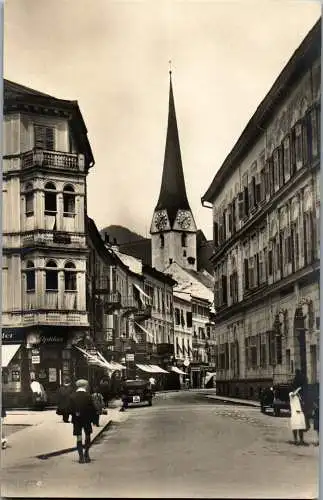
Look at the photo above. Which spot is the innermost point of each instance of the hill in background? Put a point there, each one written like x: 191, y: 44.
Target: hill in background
x: 121, y: 234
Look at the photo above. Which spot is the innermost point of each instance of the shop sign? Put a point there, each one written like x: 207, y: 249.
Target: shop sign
x: 52, y: 339
x: 130, y: 357
x: 35, y: 352
x: 13, y: 335
x: 35, y: 360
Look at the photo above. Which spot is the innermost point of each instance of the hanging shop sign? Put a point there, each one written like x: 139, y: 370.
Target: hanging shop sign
x: 130, y: 357
x: 35, y: 360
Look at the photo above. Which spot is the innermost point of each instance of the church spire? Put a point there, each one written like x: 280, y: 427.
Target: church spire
x: 172, y: 196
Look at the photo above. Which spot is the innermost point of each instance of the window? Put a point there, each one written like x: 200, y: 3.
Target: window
x: 184, y: 239
x: 51, y: 276
x: 270, y: 263
x: 50, y: 199
x: 246, y: 274
x: 162, y: 243
x: 216, y: 233
x: 276, y: 168
x: 308, y: 228
x: 305, y: 143
x: 263, y: 351
x: 44, y: 137
x: 189, y: 319
x: 68, y: 201
x: 29, y: 200
x: 298, y: 146
x: 251, y: 267
x: 279, y: 350
x: 30, y: 276
x: 70, y: 277
x: 177, y: 316
x: 314, y: 134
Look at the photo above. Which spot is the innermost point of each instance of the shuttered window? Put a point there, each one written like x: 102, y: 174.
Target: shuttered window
x: 216, y: 234
x: 241, y: 205
x: 44, y: 137
x: 286, y: 158
x: 246, y: 274
x: 305, y: 137
x: 314, y: 144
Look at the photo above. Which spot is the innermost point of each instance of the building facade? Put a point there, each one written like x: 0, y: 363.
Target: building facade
x: 265, y: 202
x: 46, y: 158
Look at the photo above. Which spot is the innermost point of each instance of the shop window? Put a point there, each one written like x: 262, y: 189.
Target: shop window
x: 68, y: 201
x: 15, y: 376
x: 44, y: 137
x: 70, y: 277
x: 51, y: 276
x: 50, y: 199
x: 29, y: 200
x: 30, y: 277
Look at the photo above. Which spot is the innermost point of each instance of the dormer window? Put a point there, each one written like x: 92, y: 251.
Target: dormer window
x: 44, y: 137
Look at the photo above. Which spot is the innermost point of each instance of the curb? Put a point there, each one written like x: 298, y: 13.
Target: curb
x: 239, y: 403
x: 105, y: 427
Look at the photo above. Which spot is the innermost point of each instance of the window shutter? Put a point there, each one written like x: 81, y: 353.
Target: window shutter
x: 233, y: 217
x: 287, y: 158
x: 241, y: 205
x: 224, y: 289
x: 230, y: 218
x: 257, y: 270
x: 246, y: 201
x: 246, y: 274
x: 270, y: 262
x: 281, y: 165
x: 314, y: 134
x: 262, y: 188
x: 216, y: 234
x: 251, y: 196
x: 305, y: 141
x: 216, y: 293
x: 231, y: 286
x: 50, y: 138
x: 276, y: 168
x: 224, y: 226
x: 271, y: 187
x: 305, y: 242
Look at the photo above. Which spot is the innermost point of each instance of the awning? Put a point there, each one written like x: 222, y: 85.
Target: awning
x: 177, y: 370
x: 142, y: 294
x: 117, y: 366
x: 7, y: 353
x: 208, y: 376
x: 158, y: 369
x: 97, y: 360
x: 146, y: 368
x: 145, y: 331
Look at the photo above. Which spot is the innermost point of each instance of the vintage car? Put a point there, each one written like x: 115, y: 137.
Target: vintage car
x: 275, y: 398
x: 136, y: 391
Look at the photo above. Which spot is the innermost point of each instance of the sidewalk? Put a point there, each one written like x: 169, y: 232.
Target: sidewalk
x: 242, y: 402
x: 45, y: 434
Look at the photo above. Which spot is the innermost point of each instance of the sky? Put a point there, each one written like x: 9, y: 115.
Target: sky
x: 113, y: 57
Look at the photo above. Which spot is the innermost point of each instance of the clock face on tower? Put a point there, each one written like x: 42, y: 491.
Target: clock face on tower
x: 161, y: 220
x: 184, y: 219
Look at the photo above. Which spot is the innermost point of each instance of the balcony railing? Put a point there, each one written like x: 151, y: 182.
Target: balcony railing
x: 142, y: 313
x: 55, y: 159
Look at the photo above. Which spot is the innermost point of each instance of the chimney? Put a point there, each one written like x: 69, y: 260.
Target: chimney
x: 106, y: 238
x: 115, y: 245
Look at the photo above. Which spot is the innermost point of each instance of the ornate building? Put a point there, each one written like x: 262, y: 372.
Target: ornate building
x: 265, y: 201
x: 46, y: 159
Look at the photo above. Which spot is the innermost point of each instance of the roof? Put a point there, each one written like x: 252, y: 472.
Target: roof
x: 19, y: 97
x: 303, y: 57
x: 135, y: 265
x: 166, y: 278
x: 196, y: 284
x: 172, y: 196
x: 140, y: 249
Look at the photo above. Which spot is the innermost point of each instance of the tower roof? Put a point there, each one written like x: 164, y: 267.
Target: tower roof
x: 172, y: 194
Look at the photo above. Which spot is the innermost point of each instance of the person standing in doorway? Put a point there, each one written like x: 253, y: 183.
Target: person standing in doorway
x: 83, y: 416
x: 64, y: 399
x: 297, y: 419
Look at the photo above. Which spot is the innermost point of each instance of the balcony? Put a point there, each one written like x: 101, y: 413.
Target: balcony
x: 48, y: 237
x: 52, y: 159
x: 142, y: 313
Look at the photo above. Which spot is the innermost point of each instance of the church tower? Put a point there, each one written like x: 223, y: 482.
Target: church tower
x: 173, y: 229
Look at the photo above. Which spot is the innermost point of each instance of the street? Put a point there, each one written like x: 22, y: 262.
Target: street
x: 185, y: 445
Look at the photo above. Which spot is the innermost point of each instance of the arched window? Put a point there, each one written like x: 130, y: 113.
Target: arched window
x: 29, y: 200
x: 70, y: 276
x: 30, y: 276
x: 184, y: 239
x: 51, y: 276
x: 69, y: 201
x: 50, y: 199
x: 162, y: 241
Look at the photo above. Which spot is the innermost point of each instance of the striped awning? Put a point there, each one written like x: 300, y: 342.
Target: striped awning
x: 7, y: 353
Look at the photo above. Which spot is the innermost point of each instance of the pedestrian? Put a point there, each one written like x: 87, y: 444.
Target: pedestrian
x: 297, y: 420
x: 83, y: 416
x: 316, y: 418
x: 4, y: 441
x: 99, y: 405
x: 105, y: 389
x: 64, y: 399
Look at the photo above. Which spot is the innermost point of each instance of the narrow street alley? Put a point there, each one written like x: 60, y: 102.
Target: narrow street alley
x: 185, y: 445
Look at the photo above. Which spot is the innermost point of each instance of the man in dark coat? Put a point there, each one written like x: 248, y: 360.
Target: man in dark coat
x: 64, y: 399
x: 83, y: 416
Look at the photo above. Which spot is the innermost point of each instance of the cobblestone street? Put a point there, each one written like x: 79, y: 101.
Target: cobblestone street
x: 184, y: 445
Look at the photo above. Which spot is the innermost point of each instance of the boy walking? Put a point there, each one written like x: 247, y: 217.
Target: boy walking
x: 83, y: 415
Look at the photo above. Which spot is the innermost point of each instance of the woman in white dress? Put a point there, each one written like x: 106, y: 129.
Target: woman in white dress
x: 297, y: 420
